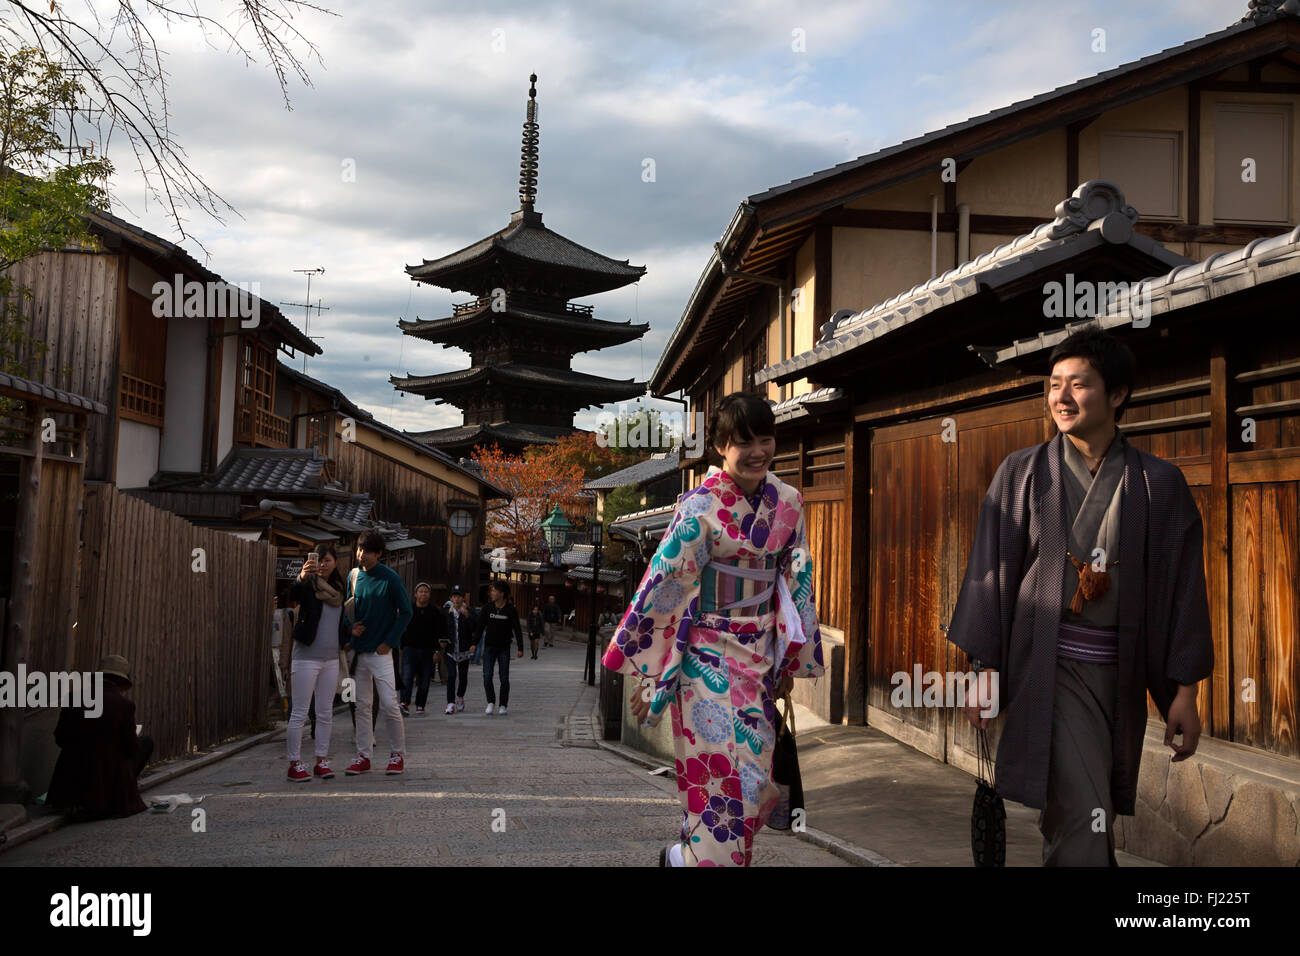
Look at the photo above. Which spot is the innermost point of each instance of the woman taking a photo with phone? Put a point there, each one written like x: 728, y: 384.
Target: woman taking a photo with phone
x: 721, y: 624
x: 317, y: 638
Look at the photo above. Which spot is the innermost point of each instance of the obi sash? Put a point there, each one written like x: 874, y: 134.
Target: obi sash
x: 775, y: 583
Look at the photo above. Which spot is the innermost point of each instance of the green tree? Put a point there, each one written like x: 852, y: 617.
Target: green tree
x: 623, y: 500
x: 41, y: 198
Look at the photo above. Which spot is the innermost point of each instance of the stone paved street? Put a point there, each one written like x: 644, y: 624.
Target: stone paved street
x: 563, y: 804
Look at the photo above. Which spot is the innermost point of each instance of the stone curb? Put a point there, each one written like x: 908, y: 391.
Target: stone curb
x: 48, y: 824
x: 859, y: 856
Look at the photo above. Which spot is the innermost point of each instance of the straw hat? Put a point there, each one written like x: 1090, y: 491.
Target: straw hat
x: 116, y: 665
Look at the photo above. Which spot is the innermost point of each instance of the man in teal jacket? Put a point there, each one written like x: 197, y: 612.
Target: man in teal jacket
x: 381, y: 611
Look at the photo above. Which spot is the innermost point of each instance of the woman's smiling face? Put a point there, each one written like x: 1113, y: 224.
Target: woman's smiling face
x: 748, y: 461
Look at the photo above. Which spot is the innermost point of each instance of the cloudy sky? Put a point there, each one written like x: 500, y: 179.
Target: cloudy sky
x: 427, y: 101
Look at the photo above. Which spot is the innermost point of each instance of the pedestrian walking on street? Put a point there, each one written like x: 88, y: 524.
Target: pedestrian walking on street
x: 419, y: 644
x: 733, y: 569
x: 1085, y: 591
x: 380, y: 612
x: 500, y: 621
x: 459, y: 636
x: 536, y: 625
x: 314, y: 669
x: 551, y: 616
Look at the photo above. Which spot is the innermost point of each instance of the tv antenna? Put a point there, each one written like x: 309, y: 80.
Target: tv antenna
x: 307, y: 307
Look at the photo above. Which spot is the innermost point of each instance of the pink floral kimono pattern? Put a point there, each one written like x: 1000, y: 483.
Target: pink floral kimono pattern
x: 714, y: 669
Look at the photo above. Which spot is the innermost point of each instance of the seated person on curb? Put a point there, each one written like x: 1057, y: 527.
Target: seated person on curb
x: 101, y: 757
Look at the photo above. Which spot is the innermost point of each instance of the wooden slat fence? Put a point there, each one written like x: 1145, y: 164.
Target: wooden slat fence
x: 198, y: 642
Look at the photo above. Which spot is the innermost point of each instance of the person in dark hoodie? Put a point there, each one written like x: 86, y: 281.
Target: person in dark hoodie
x: 100, y: 757
x: 458, y: 637
x: 500, y: 620
x: 419, y: 644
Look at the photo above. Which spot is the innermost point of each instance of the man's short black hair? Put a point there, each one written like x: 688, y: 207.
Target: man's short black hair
x: 1113, y: 360
x: 501, y: 587
x: 740, y: 416
x: 371, y: 541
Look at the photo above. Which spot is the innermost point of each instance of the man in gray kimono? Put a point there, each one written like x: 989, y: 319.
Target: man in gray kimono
x: 1085, y: 589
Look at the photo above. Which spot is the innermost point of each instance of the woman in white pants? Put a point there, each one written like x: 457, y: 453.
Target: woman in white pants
x: 315, y: 668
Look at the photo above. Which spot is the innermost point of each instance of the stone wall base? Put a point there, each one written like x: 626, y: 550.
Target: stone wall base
x: 1228, y: 805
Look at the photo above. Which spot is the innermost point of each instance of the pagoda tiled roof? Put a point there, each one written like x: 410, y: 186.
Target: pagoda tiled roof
x: 580, y: 330
x: 503, y: 433
x: 594, y: 387
x: 526, y: 242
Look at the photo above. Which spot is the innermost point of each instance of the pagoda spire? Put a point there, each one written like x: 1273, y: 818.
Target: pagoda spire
x: 529, y: 153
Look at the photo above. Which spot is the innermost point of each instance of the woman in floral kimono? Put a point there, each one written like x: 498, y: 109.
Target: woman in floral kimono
x: 721, y: 623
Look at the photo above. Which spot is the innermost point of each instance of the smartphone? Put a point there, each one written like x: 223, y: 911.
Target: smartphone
x: 313, y: 557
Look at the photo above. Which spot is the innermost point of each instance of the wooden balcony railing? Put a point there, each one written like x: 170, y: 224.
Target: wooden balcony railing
x: 140, y: 400
x: 257, y: 426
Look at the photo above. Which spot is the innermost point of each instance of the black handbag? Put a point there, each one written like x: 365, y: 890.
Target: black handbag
x: 785, y: 770
x: 988, y: 817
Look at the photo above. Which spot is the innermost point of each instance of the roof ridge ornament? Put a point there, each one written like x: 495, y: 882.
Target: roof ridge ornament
x: 529, y: 153
x: 1262, y: 11
x: 1096, y: 199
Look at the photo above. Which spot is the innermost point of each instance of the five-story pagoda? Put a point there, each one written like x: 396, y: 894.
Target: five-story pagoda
x: 520, y: 329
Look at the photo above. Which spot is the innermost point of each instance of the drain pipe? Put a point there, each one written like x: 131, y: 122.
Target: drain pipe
x: 934, y: 235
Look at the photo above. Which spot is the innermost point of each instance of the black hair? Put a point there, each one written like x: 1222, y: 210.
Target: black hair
x: 335, y: 580
x: 1113, y: 360
x: 741, y: 415
x: 501, y: 586
x: 372, y: 541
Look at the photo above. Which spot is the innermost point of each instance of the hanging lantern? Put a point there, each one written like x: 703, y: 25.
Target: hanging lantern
x: 600, y: 589
x: 568, y: 584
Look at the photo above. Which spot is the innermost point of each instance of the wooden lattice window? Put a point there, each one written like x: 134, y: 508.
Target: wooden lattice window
x: 256, y: 423
x: 140, y: 400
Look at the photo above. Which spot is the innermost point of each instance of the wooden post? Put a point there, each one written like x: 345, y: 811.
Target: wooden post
x: 13, y: 789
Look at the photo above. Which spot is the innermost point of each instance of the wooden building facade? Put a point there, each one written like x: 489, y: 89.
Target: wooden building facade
x: 874, y: 303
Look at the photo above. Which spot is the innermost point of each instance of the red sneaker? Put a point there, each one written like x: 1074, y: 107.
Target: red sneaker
x: 322, y: 770
x: 360, y: 765
x: 298, y: 772
x: 395, y: 763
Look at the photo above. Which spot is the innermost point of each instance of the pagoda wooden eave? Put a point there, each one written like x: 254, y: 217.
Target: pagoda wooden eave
x: 455, y: 330
x: 513, y: 375
x: 522, y: 249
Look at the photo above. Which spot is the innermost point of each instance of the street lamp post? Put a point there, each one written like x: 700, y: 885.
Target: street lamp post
x: 597, y: 535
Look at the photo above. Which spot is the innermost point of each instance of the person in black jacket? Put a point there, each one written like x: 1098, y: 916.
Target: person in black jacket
x: 500, y: 620
x: 459, y: 635
x: 536, y: 627
x: 318, y: 636
x: 419, y: 643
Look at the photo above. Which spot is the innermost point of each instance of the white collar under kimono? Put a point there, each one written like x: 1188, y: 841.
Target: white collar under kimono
x: 1094, y: 502
x: 721, y: 483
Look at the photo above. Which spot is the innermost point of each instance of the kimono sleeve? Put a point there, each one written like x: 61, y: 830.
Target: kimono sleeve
x: 981, y: 620
x: 796, y: 567
x: 650, y: 640
x: 1190, y: 657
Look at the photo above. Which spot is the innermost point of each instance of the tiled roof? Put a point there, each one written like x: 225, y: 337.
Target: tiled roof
x: 531, y: 376
x: 1095, y: 214
x: 38, y: 391
x: 525, y: 238
x: 642, y: 473
x: 652, y: 521
x: 284, y: 470
x: 1260, y: 262
x: 509, y: 433
x: 806, y: 404
x: 357, y: 510
x: 589, y: 333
